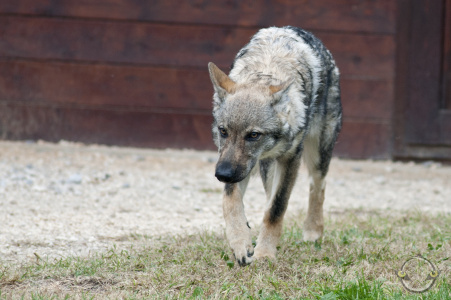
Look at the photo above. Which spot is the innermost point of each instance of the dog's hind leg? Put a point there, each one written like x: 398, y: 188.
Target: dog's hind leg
x: 317, y: 156
x: 318, y: 147
x: 278, y: 178
x: 314, y: 224
x: 237, y: 229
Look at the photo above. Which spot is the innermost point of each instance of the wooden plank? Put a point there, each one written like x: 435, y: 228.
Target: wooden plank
x: 447, y: 57
x: 130, y: 87
x: 425, y: 64
x: 362, y: 56
x: 445, y: 129
x: 344, y: 15
x: 425, y: 153
x: 359, y: 139
x: 401, y: 82
x: 117, y: 42
x: 110, y: 127
x: 362, y: 139
x: 357, y: 55
x: 422, y: 126
x: 372, y: 99
x: 105, y: 86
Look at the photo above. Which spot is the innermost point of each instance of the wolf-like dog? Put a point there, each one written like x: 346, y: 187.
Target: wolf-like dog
x: 280, y: 101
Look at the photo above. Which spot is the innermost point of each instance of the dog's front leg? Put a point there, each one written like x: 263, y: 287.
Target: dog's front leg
x: 237, y: 229
x: 284, y: 176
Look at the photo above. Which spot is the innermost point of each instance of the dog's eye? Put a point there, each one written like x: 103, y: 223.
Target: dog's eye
x: 253, y: 136
x: 223, y: 132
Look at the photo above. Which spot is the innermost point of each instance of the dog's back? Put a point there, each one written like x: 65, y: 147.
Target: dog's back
x: 276, y: 55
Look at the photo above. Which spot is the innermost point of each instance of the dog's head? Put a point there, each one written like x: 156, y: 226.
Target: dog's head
x: 248, y: 124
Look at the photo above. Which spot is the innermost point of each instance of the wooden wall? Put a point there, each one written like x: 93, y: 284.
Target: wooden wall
x: 130, y: 72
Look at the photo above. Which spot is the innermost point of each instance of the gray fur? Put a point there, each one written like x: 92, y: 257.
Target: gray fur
x: 284, y: 88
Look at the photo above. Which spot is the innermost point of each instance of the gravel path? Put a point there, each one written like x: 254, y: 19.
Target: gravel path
x: 72, y: 199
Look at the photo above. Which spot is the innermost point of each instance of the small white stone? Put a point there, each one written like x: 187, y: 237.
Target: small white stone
x: 380, y: 179
x: 39, y: 188
x: 75, y: 179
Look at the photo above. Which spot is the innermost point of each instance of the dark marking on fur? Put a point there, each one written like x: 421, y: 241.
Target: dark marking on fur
x: 325, y: 151
x: 325, y: 157
x: 240, y: 54
x: 279, y: 205
x: 314, y: 43
x: 247, y: 223
x: 305, y: 35
x: 306, y: 100
x: 327, y: 145
x: 265, y: 166
x: 299, y: 149
x: 264, y: 169
x: 308, y: 90
x: 280, y: 202
x: 277, y: 135
x: 228, y: 188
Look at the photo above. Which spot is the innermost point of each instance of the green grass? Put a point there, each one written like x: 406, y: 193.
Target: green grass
x: 357, y: 259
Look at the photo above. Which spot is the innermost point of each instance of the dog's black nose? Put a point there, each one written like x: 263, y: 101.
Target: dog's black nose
x: 225, y: 172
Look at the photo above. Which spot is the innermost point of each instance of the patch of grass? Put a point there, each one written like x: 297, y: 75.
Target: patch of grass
x: 357, y: 259
x: 214, y: 191
x: 360, y: 288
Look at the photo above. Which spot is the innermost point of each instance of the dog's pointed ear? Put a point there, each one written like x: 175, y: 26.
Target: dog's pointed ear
x: 277, y: 90
x: 221, y: 82
x: 278, y: 95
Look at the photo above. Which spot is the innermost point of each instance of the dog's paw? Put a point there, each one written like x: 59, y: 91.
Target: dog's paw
x: 243, y: 254
x: 313, y: 230
x: 262, y: 251
x: 312, y: 235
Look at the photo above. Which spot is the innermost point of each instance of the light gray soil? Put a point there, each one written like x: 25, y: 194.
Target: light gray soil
x: 71, y: 199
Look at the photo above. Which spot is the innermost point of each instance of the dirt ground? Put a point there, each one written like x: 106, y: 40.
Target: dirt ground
x: 72, y: 199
